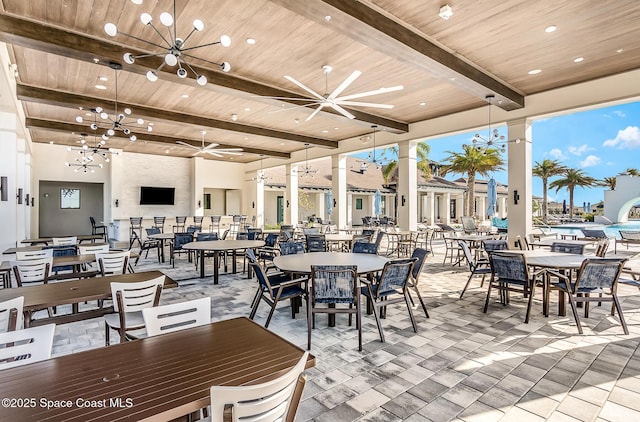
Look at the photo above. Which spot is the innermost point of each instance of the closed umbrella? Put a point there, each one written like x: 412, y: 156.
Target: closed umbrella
x: 492, y: 197
x: 564, y: 206
x: 329, y: 202
x: 377, y: 199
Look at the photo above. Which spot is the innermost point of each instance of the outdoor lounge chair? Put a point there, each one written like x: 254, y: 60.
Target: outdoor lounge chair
x: 627, y: 237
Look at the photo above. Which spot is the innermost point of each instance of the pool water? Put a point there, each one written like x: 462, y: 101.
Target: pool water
x: 610, y: 230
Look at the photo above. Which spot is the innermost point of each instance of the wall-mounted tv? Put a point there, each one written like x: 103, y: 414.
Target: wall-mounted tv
x: 156, y: 196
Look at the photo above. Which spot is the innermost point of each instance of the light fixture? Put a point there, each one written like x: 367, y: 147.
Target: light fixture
x: 175, y: 49
x: 372, y: 158
x: 306, y: 170
x: 260, y: 176
x: 446, y: 12
x: 88, y: 152
x: 117, y: 122
x: 494, y: 140
x: 234, y: 117
x: 81, y: 166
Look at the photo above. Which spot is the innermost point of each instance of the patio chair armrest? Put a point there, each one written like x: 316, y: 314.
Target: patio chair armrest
x: 293, y: 282
x: 552, y: 273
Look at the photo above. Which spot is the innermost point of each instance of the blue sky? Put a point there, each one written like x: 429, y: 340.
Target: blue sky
x: 601, y: 142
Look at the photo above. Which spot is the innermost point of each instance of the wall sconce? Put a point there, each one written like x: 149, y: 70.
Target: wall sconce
x: 116, y: 203
x: 404, y: 200
x: 334, y: 202
x: 287, y: 203
x: 33, y: 202
x: 516, y: 197
x: 19, y: 196
x: 26, y: 200
x: 199, y: 203
x: 253, y: 204
x: 4, y: 188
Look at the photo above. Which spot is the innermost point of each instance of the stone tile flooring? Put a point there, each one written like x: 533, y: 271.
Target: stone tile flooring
x: 461, y: 365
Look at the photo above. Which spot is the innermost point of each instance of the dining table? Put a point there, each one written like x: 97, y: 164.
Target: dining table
x: 73, y: 292
x: 547, y: 242
x: 339, y: 239
x: 48, y: 240
x: 218, y: 247
x: 164, y: 238
x: 34, y: 248
x: 157, y: 378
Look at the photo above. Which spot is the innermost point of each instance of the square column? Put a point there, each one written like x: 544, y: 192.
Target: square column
x: 320, y: 206
x: 291, y: 195
x: 259, y: 202
x: 339, y: 190
x: 519, y: 173
x: 407, y: 186
x: 445, y: 217
x: 432, y: 208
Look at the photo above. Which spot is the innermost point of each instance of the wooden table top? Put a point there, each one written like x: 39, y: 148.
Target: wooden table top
x: 80, y: 238
x: 222, y: 245
x: 40, y: 296
x: 63, y: 261
x: 301, y: 263
x: 37, y: 248
x: 156, y: 378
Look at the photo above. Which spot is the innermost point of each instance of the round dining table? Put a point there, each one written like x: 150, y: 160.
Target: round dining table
x: 217, y: 246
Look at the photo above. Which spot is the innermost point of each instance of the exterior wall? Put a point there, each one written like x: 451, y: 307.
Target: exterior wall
x: 617, y: 203
x: 357, y: 215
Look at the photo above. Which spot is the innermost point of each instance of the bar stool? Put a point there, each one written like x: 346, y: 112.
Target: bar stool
x: 215, y: 223
x: 179, y: 227
x: 197, y: 221
x: 158, y: 223
x: 135, y: 223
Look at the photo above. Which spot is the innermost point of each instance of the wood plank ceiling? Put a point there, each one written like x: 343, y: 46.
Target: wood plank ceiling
x: 487, y: 47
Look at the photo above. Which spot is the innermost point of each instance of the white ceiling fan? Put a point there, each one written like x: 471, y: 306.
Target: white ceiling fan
x: 211, y: 148
x: 334, y: 100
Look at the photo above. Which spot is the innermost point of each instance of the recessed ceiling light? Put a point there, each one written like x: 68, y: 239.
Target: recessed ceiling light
x: 247, y: 109
x: 51, y: 142
x: 166, y: 151
x: 150, y: 123
x: 336, y: 128
x: 281, y: 143
x: 251, y: 41
x: 620, y: 50
x: 422, y: 104
x: 534, y: 71
x: 550, y: 28
x: 246, y: 139
x: 296, y: 120
x: 452, y: 79
x: 96, y: 60
x: 325, y: 131
x: 101, y: 87
x: 103, y: 78
x: 88, y: 114
x: 578, y: 59
x: 327, y: 18
x: 185, y: 95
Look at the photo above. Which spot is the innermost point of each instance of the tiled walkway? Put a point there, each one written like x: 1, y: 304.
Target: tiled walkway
x: 461, y: 365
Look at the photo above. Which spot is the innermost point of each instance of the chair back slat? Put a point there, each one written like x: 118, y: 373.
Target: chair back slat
x: 70, y: 240
x: 177, y: 316
x: 11, y: 316
x: 420, y: 254
x: 32, y: 270
x: 334, y: 283
x: 270, y: 401
x: 30, y: 345
x: 43, y: 253
x: 92, y: 249
x: 132, y: 297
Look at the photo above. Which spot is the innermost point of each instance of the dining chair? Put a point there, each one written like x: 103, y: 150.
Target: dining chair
x: 11, y: 316
x: 290, y: 248
x: 179, y: 240
x: 204, y: 237
x: 164, y: 319
x: 197, y: 221
x: 63, y: 250
x: 476, y: 266
x: 129, y: 299
x: 26, y: 346
x: 316, y: 243
x: 92, y: 249
x: 390, y: 288
x: 594, y: 276
x: 275, y: 400
x: 274, y: 288
x: 150, y: 244
x: 602, y: 247
x: 364, y: 247
x: 100, y: 229
x: 113, y: 262
x: 64, y: 241
x: 509, y: 273
x: 412, y: 283
x: 451, y: 248
x: 179, y: 227
x: 469, y: 225
x: 215, y: 224
x: 492, y: 245
x: 158, y: 223
x: 32, y: 271
x: 42, y: 253
x: 522, y: 243
x: 334, y: 286
x: 567, y: 248
x: 135, y: 224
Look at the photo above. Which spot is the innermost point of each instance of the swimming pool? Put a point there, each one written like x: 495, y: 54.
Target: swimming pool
x: 611, y: 230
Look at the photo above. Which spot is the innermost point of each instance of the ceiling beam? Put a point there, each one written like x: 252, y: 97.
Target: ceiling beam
x: 66, y: 99
x: 143, y: 136
x: 358, y: 21
x: 38, y: 36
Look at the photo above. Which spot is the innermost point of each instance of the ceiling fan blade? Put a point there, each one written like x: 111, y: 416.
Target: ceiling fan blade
x: 214, y: 153
x: 210, y: 146
x: 316, y: 111
x: 374, y: 92
x: 187, y: 145
x: 295, y: 107
x: 309, y: 90
x: 345, y: 84
x: 360, y: 104
x: 283, y: 98
x: 221, y: 151
x: 341, y: 110
x: 196, y: 153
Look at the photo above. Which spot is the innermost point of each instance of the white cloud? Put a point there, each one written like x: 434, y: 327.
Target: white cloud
x: 619, y: 113
x: 579, y: 150
x: 557, y: 154
x: 626, y: 138
x: 590, y: 161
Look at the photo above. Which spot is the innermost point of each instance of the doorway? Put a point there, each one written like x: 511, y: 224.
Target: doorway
x: 280, y: 209
x: 65, y: 207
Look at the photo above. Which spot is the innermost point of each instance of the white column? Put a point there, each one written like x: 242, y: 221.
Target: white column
x: 291, y: 195
x: 446, y: 218
x: 460, y: 206
x: 339, y: 189
x: 432, y: 208
x: 349, y: 209
x: 407, y: 186
x: 259, y: 202
x: 8, y: 169
x: 502, y: 212
x: 321, y: 201
x: 519, y: 173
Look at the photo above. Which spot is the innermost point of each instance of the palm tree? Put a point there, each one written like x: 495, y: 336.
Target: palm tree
x: 422, y: 152
x: 609, y: 182
x: 471, y: 162
x: 572, y: 179
x: 632, y: 172
x: 545, y: 170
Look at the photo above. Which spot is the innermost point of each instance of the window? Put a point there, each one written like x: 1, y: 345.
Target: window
x: 207, y: 201
x: 69, y: 198
x: 358, y: 203
x: 452, y: 208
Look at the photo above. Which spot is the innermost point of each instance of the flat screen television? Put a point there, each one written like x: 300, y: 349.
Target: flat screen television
x: 156, y: 196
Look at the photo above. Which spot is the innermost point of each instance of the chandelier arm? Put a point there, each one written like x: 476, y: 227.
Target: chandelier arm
x: 184, y: 41
x: 172, y: 38
x: 161, y: 36
x: 144, y: 41
x: 198, y: 58
x: 150, y: 55
x: 198, y: 46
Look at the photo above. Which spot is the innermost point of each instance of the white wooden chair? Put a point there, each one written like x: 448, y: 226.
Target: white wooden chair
x: 129, y: 299
x: 70, y: 240
x: 275, y: 400
x: 177, y: 316
x: 113, y: 262
x: 43, y: 253
x: 32, y: 270
x: 92, y: 249
x: 26, y: 346
x: 11, y: 316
